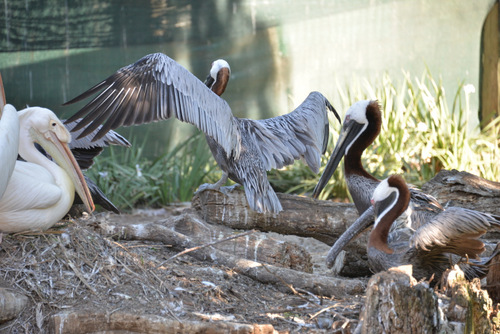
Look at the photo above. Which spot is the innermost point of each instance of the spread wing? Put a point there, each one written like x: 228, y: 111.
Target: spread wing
x: 110, y: 138
x: 156, y: 88
x: 303, y: 133
x: 85, y: 150
x: 455, y: 230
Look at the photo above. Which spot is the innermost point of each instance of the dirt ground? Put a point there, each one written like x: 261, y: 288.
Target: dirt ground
x: 75, y: 270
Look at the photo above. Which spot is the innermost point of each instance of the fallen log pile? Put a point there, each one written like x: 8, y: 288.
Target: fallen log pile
x: 220, y: 267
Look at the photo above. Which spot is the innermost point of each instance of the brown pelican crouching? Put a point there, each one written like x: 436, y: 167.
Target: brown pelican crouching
x: 156, y: 88
x: 453, y: 231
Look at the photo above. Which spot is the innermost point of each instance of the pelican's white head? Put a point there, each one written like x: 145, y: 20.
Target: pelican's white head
x: 219, y: 76
x: 41, y: 125
x: 217, y: 65
x: 357, y: 112
x: 383, y: 199
x: 44, y: 122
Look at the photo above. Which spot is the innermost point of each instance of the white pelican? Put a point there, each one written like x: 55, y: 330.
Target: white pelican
x: 39, y: 192
x: 156, y: 88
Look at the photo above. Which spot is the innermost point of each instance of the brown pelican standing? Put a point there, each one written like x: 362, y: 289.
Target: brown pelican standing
x: 452, y: 231
x: 362, y: 124
x: 156, y: 88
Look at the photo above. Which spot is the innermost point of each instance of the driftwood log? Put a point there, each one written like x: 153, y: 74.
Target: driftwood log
x: 257, y: 246
x: 322, y: 220
x: 454, y: 188
x: 284, y: 278
x: 83, y: 322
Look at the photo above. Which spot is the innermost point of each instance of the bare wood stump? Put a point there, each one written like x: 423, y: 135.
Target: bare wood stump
x: 90, y: 322
x: 11, y: 304
x: 468, y: 304
x: 396, y: 303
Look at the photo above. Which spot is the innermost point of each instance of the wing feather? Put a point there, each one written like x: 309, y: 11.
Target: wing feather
x: 452, y: 226
x: 152, y: 89
x: 303, y: 133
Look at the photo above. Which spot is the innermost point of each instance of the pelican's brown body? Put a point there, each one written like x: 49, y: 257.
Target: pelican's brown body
x: 454, y: 231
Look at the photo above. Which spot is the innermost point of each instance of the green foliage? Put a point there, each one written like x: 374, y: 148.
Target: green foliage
x: 130, y: 181
x: 420, y: 135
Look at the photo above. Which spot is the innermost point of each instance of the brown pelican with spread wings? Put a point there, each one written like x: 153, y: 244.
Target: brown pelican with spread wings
x: 157, y: 88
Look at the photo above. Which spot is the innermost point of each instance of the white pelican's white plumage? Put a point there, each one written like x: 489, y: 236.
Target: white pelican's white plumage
x: 9, y: 144
x: 39, y: 192
x: 157, y: 88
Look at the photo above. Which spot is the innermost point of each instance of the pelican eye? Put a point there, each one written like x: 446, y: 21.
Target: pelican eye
x: 53, y: 124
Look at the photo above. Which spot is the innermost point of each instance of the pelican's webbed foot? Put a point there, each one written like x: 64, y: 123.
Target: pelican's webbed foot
x: 214, y: 186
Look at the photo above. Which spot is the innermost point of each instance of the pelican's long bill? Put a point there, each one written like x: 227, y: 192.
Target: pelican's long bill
x: 62, y: 155
x: 363, y: 222
x: 350, y: 131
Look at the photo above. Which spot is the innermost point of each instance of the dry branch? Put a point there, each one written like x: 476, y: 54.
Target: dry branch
x: 91, y: 322
x: 322, y: 285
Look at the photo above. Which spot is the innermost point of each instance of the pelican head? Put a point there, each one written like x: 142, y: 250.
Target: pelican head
x: 219, y: 76
x: 357, y: 119
x: 41, y: 126
x: 383, y: 199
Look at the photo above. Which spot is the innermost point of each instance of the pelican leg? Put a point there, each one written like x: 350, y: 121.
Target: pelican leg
x: 215, y: 186
x: 228, y: 189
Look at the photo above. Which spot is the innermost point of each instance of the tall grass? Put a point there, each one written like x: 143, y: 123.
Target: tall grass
x: 420, y: 135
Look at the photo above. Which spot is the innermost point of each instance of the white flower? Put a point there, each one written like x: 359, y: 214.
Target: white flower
x: 138, y: 170
x: 469, y: 89
x: 422, y: 127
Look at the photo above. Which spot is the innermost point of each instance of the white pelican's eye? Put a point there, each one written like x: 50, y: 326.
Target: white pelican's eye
x: 53, y: 124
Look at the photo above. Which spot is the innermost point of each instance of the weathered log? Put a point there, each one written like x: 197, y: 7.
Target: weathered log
x: 396, y: 303
x: 322, y: 285
x: 465, y: 190
x: 493, y: 279
x: 302, y: 216
x: 323, y: 220
x: 12, y: 303
x: 258, y: 246
x: 91, y: 322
